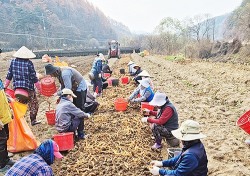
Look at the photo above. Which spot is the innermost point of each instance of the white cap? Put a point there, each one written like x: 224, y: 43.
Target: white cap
x: 130, y: 62
x: 159, y: 99
x: 144, y: 73
x: 144, y: 83
x: 66, y: 91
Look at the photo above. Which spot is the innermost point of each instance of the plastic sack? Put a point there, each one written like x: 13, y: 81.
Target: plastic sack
x: 5, y: 113
x: 21, y: 137
x: 58, y: 63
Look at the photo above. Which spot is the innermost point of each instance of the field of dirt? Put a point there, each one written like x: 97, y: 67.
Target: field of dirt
x: 214, y: 94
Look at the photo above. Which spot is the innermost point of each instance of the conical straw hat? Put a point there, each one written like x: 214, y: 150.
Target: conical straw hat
x: 24, y: 53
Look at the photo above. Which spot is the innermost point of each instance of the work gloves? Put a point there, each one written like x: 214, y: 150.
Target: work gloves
x: 156, y: 163
x: 154, y: 170
x: 144, y: 119
x: 88, y: 115
x: 38, y: 86
x: 145, y: 111
x: 6, y: 83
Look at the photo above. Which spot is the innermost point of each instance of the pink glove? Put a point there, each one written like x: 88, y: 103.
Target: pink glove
x: 6, y: 83
x: 38, y: 86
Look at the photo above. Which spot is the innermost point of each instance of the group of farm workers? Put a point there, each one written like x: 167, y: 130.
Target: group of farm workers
x: 73, y: 108
x: 76, y: 102
x: 192, y: 160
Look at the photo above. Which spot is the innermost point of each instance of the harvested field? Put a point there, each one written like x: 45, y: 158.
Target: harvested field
x: 215, y: 94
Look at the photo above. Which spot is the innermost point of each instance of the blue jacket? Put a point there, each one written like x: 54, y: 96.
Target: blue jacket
x: 97, y: 66
x: 192, y: 162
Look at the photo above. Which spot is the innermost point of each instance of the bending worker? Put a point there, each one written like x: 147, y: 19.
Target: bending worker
x: 70, y: 78
x: 144, y: 92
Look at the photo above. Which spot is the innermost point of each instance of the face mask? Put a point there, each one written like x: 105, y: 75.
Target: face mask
x: 71, y: 99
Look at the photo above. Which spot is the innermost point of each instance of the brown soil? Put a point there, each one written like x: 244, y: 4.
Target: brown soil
x: 215, y: 94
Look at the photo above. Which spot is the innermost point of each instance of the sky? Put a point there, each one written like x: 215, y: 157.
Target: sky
x: 142, y: 16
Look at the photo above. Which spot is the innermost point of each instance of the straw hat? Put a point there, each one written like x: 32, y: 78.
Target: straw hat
x: 66, y: 91
x: 144, y: 73
x: 144, y: 83
x: 50, y: 69
x: 130, y: 63
x: 159, y: 99
x: 24, y: 53
x: 136, y: 65
x: 189, y: 130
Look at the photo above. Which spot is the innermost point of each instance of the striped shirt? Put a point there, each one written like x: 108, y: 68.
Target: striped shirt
x: 23, y: 73
x: 32, y: 165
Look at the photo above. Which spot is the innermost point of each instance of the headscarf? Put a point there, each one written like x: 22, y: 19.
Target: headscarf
x: 46, y: 151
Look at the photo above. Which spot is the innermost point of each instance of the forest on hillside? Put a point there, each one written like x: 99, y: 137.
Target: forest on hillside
x: 201, y: 36
x: 42, y: 24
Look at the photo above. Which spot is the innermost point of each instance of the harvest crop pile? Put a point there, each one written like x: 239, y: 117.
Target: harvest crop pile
x: 118, y: 143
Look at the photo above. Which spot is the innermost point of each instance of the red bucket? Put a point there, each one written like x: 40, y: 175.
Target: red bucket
x: 147, y: 106
x: 48, y: 86
x: 125, y: 80
x: 10, y: 92
x: 121, y: 104
x: 51, y: 117
x: 65, y: 141
x: 244, y: 122
x: 106, y: 75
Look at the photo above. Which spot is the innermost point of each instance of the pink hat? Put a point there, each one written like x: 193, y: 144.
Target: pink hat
x: 56, y: 150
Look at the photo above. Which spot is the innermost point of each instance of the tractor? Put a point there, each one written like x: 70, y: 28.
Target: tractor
x: 114, y: 51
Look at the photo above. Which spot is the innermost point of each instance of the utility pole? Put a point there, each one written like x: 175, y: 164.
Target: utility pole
x: 46, y: 34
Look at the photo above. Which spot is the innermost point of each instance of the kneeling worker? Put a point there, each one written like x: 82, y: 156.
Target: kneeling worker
x: 69, y: 118
x: 193, y: 159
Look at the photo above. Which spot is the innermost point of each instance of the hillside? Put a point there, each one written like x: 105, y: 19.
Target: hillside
x: 238, y: 23
x: 54, y: 24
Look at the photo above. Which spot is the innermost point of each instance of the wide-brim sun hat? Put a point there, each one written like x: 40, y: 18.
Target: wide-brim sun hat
x: 66, y: 91
x: 144, y: 73
x: 56, y: 152
x: 189, y: 130
x: 130, y: 63
x: 50, y: 69
x: 136, y: 65
x: 144, y: 83
x: 159, y: 99
x: 24, y: 53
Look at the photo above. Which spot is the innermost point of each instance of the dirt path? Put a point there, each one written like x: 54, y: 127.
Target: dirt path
x: 216, y: 95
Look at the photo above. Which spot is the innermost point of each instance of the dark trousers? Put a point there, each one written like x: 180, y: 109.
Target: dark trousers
x: 160, y: 131
x: 76, y: 124
x: 4, y: 136
x: 33, y: 105
x: 104, y: 85
x: 80, y: 100
x: 137, y: 78
x: 90, y: 108
x: 97, y: 82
